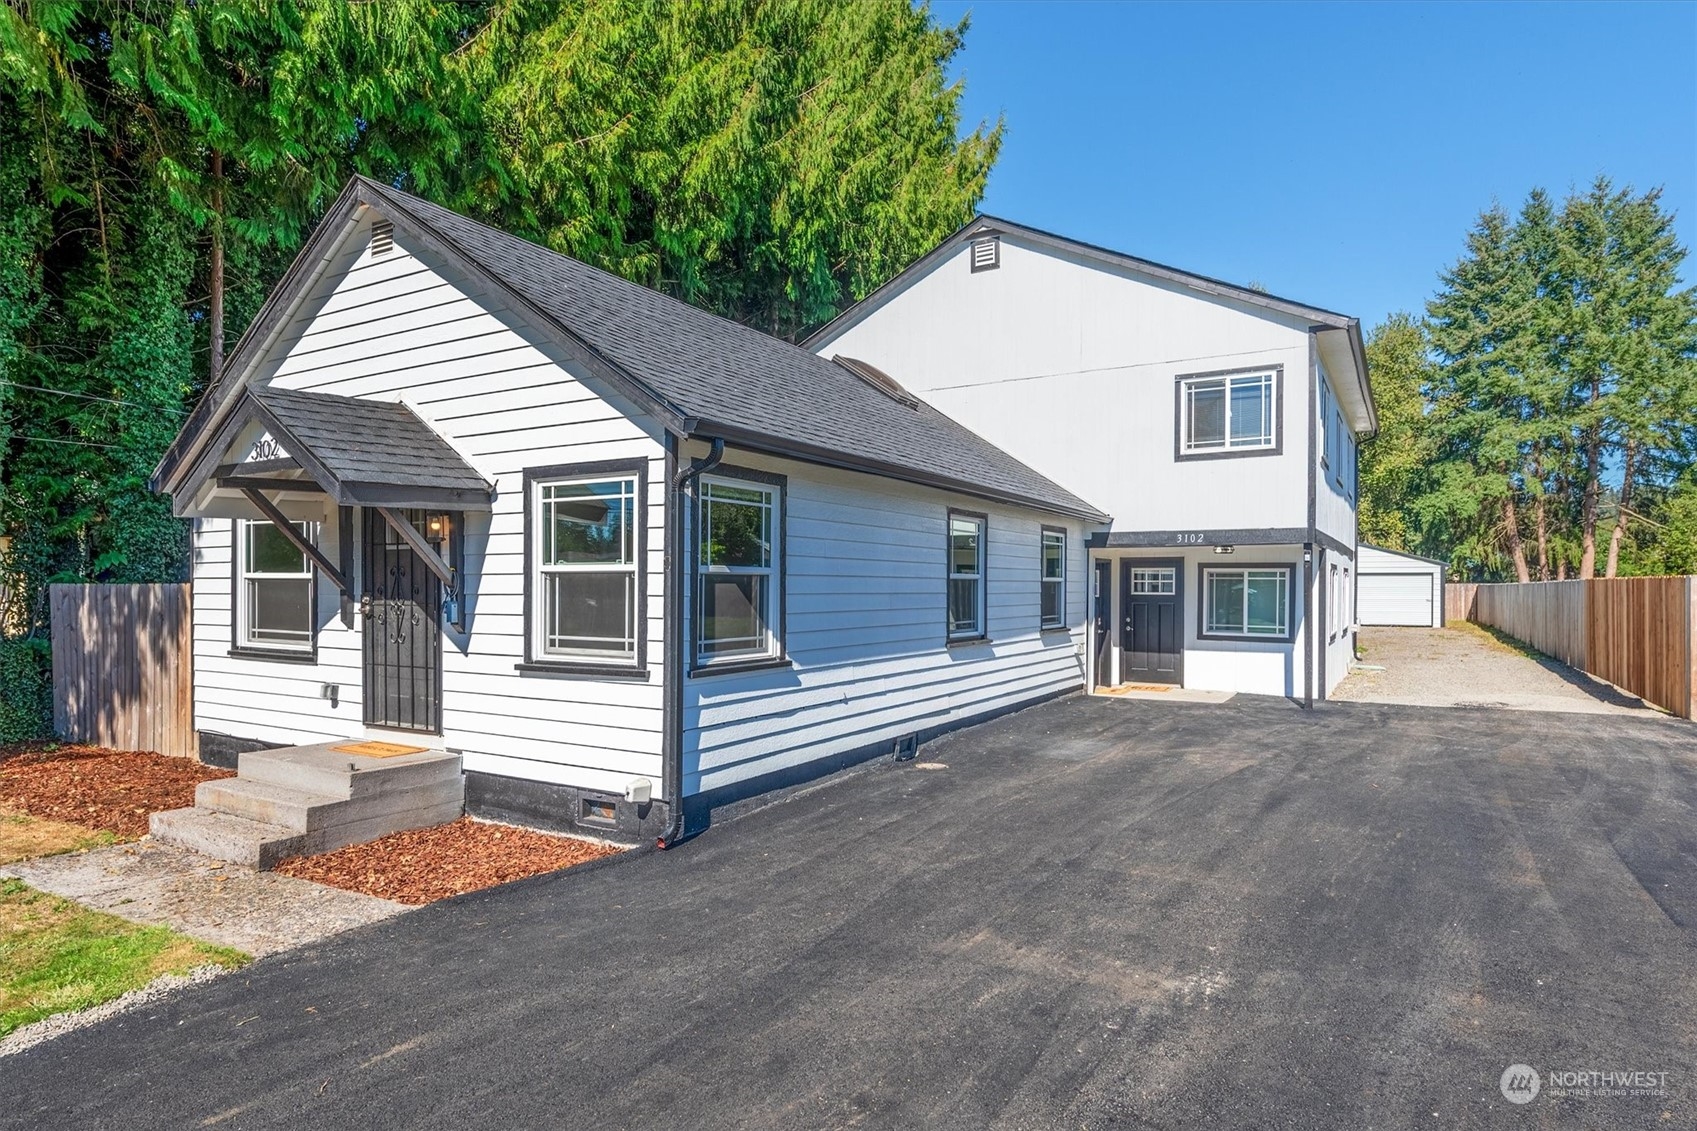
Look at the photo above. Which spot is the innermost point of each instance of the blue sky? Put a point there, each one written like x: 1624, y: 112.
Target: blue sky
x: 1335, y: 154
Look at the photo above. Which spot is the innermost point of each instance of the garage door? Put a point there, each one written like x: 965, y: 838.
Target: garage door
x: 1396, y: 598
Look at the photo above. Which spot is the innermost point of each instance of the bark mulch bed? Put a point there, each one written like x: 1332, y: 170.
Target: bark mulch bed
x: 424, y: 865
x: 111, y: 790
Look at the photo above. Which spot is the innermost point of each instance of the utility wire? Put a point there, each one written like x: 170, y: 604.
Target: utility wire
x: 92, y: 397
x: 73, y: 443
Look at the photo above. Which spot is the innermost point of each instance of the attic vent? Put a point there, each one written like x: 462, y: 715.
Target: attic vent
x: 986, y: 253
x: 878, y: 379
x: 382, y: 237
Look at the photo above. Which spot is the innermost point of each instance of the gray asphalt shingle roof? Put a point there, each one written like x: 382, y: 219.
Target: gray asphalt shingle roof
x: 724, y: 373
x: 367, y: 442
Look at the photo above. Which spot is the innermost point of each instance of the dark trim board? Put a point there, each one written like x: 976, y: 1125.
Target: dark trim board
x: 224, y: 750
x: 1200, y: 538
x: 559, y: 808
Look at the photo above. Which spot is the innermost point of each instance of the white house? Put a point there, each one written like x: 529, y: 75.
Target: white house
x: 1217, y: 424
x: 1400, y: 588
x: 597, y: 543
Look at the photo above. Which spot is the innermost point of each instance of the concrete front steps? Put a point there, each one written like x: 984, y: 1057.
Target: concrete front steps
x: 302, y: 800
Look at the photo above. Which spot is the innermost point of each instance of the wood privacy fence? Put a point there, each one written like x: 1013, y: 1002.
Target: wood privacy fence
x: 123, y: 666
x: 1636, y: 632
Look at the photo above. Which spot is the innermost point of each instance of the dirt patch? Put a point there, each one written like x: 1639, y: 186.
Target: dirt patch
x: 112, y: 790
x: 424, y: 865
x: 23, y: 837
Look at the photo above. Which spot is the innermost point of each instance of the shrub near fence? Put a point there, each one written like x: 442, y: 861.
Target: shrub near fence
x: 1637, y: 633
x: 123, y: 666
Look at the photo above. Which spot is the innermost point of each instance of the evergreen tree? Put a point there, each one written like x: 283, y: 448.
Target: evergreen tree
x: 1394, y: 463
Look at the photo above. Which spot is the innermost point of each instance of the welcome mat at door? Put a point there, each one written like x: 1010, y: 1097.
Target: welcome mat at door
x: 1125, y: 687
x: 378, y: 749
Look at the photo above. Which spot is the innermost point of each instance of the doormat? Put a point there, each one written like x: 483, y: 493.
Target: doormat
x: 1127, y: 687
x: 378, y: 749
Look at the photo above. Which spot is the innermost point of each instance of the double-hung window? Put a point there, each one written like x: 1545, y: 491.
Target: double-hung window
x: 966, y: 575
x: 1053, y: 600
x: 739, y: 562
x: 1252, y: 603
x: 586, y: 572
x: 273, y: 591
x: 1228, y: 413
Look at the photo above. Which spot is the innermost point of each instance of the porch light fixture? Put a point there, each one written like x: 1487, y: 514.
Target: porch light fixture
x: 1225, y: 549
x: 436, y: 527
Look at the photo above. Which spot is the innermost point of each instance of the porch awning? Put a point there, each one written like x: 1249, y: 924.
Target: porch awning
x: 355, y: 451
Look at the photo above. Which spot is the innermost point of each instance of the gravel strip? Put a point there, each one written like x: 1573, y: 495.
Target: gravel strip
x: 36, y: 1032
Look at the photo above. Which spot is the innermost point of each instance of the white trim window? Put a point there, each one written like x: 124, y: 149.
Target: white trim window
x: 274, y: 603
x: 739, y: 570
x: 1229, y: 412
x: 1160, y: 581
x: 1252, y: 602
x: 1053, y: 602
x: 585, y: 582
x: 966, y: 575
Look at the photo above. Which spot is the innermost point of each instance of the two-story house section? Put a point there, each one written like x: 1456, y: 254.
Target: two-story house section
x: 1218, y: 424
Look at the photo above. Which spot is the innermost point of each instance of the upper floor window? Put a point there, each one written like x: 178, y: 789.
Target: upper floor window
x: 1054, y: 577
x: 966, y: 575
x: 274, y: 591
x: 1228, y: 413
x: 739, y: 564
x: 584, y: 589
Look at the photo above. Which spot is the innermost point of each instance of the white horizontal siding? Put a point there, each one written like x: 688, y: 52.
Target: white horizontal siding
x: 398, y: 327
x: 865, y: 630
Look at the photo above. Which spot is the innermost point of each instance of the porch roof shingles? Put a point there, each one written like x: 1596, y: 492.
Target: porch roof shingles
x: 365, y: 444
x: 735, y: 380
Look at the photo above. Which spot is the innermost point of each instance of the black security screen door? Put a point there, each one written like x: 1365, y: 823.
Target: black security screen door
x: 1102, y: 597
x: 402, y: 606
x: 1151, y: 633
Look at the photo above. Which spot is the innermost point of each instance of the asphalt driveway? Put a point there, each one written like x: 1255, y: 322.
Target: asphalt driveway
x: 1101, y: 913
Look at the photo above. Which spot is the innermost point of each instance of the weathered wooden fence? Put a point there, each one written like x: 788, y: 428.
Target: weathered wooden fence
x: 1458, y: 600
x: 1636, y: 632
x: 123, y: 666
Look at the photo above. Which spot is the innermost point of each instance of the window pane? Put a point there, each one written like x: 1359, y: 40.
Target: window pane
x: 733, y: 613
x: 1252, y: 410
x: 964, y: 536
x: 279, y: 611
x: 1207, y: 413
x: 270, y: 552
x: 963, y: 606
x: 736, y: 526
x: 588, y: 523
x: 1051, y: 612
x: 1266, y: 602
x: 1156, y: 580
x: 1225, y: 602
x: 587, y: 611
x: 1054, y: 555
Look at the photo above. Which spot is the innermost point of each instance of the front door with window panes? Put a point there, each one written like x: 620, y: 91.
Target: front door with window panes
x: 1152, y: 619
x: 402, y: 606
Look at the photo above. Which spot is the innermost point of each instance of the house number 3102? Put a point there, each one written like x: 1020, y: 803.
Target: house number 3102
x: 1190, y: 539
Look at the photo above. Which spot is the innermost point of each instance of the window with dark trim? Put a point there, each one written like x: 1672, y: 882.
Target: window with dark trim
x: 1228, y: 413
x: 739, y: 561
x: 585, y: 567
x: 273, y: 589
x: 966, y: 568
x: 1053, y: 578
x: 1252, y: 602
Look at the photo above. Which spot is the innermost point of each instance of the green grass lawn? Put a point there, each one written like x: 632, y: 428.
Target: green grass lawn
x: 56, y: 955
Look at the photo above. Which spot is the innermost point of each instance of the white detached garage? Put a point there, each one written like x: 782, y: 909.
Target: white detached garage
x: 1400, y: 589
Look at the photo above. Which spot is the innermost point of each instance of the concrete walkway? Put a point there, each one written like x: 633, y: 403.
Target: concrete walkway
x: 258, y: 913
x: 1464, y: 666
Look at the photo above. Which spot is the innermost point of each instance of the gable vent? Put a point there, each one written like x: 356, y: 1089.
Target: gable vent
x: 878, y: 379
x: 382, y: 237
x: 986, y: 253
